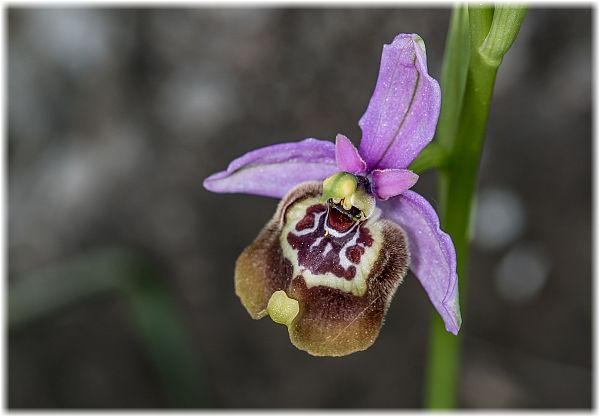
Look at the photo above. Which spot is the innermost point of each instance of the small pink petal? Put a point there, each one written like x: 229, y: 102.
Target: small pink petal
x: 347, y: 156
x: 392, y: 182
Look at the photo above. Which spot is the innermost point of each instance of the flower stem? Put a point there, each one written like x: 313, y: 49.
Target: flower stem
x: 487, y: 33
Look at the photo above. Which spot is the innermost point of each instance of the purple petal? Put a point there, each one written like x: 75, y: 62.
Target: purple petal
x: 347, y: 156
x: 273, y: 170
x: 433, y: 258
x: 392, y: 182
x: 403, y: 112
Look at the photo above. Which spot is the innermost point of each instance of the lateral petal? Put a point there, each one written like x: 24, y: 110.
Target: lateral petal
x: 433, y: 257
x: 347, y: 156
x: 392, y: 182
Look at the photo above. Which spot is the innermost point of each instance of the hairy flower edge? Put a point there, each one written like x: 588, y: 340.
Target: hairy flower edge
x: 330, y: 321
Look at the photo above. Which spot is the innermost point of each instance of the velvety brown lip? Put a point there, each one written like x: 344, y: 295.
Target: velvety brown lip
x: 330, y: 321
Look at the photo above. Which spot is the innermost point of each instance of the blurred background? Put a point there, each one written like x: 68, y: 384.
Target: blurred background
x: 120, y: 267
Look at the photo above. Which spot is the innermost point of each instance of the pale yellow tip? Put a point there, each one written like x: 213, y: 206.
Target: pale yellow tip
x: 327, y: 182
x: 339, y: 185
x: 282, y: 308
x: 347, y: 186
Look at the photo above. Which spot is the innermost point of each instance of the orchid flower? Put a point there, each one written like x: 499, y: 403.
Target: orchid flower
x: 348, y: 226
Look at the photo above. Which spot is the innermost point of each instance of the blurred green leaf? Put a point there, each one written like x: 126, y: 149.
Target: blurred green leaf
x: 154, y: 315
x: 41, y: 293
x: 433, y: 156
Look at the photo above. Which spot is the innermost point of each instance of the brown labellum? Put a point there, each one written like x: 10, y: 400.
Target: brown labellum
x: 342, y: 272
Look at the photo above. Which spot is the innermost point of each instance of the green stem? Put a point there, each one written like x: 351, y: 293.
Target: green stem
x: 491, y: 34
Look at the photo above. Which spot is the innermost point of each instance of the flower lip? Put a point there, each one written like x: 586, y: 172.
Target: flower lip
x: 331, y: 291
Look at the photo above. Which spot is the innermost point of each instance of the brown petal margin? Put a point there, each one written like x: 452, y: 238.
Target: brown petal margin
x: 261, y: 269
x: 330, y: 322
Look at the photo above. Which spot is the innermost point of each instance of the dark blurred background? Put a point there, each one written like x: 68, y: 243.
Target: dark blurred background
x: 121, y: 265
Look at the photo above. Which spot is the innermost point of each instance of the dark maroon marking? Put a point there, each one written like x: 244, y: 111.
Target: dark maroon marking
x: 309, y: 220
x: 314, y: 258
x: 339, y: 221
x: 365, y: 237
x: 354, y: 253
